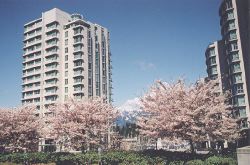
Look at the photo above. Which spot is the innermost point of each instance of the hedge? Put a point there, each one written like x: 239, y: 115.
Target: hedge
x: 113, y: 158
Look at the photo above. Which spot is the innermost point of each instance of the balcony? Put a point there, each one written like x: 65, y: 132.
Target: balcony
x: 29, y: 89
x: 51, y: 74
x: 52, y: 45
x: 78, y: 50
x: 33, y: 58
x: 31, y: 96
x: 50, y: 101
x: 78, y: 34
x: 51, y: 68
x: 33, y: 65
x: 36, y: 50
x: 52, y: 29
x: 33, y: 35
x: 52, y: 93
x: 54, y: 36
x: 32, y: 43
x: 80, y: 92
x: 50, y: 85
x: 33, y: 25
x: 31, y: 73
x: 51, y: 60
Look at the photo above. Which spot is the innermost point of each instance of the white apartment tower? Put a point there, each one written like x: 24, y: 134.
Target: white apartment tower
x: 229, y: 60
x: 64, y: 57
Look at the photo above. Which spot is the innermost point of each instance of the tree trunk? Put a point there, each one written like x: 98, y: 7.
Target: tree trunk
x: 156, y: 147
x: 191, y: 146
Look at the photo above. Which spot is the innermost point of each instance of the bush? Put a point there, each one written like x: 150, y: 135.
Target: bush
x: 117, y: 158
x: 176, y: 163
x: 215, y: 160
x: 229, y: 161
x: 195, y: 162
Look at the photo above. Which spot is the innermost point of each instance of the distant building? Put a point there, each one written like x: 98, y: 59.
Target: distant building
x: 229, y: 58
x: 65, y: 57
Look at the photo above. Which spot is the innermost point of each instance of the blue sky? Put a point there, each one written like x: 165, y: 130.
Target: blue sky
x: 150, y: 40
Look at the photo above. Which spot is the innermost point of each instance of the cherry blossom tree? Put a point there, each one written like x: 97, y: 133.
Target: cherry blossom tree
x: 179, y: 112
x: 19, y: 129
x: 75, y: 124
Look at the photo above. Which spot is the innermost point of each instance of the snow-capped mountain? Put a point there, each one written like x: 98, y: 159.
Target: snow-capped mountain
x: 129, y: 110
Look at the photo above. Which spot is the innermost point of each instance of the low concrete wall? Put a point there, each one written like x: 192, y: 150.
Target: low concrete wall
x: 243, y: 155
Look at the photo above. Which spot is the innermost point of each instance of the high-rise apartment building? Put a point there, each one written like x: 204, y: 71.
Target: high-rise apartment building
x: 64, y: 57
x: 229, y: 59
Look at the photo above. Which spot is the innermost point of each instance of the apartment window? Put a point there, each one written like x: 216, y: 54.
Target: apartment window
x: 66, y: 97
x: 229, y: 4
x: 211, y: 52
x: 78, y: 55
x: 78, y: 88
x: 51, y: 50
x: 66, y: 73
x: 240, y: 100
x: 242, y: 112
x: 66, y: 50
x: 66, y: 58
x: 232, y: 35
x: 52, y: 34
x: 232, y: 47
x: 231, y: 25
x: 52, y: 42
x: 77, y: 39
x: 37, y: 92
x: 51, y: 90
x: 212, y: 61
x: 240, y: 88
x: 66, y: 82
x: 230, y: 15
x: 66, y: 89
x: 235, y: 46
x: 78, y: 63
x: 66, y: 65
x: 244, y: 124
x: 78, y: 30
x: 212, y: 70
x: 66, y: 34
x: 78, y: 47
x: 234, y: 56
x: 77, y: 97
x: 237, y: 89
x: 52, y: 25
x: 236, y: 78
x: 78, y: 80
x: 78, y: 71
x: 235, y: 67
x: 66, y: 42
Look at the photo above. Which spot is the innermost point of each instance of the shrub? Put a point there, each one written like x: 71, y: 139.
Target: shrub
x: 176, y: 163
x: 195, y: 162
x: 117, y: 157
x: 229, y: 161
x: 215, y: 160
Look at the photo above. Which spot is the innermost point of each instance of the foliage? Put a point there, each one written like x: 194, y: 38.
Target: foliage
x: 215, y: 160
x: 195, y: 162
x: 177, y: 163
x: 127, y: 130
x: 19, y: 129
x: 117, y: 157
x: 180, y: 112
x: 75, y: 124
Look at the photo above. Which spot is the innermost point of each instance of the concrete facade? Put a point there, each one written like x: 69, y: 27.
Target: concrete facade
x: 243, y: 155
x: 65, y: 57
x: 232, y: 57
